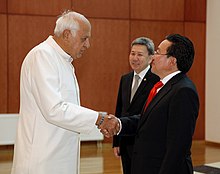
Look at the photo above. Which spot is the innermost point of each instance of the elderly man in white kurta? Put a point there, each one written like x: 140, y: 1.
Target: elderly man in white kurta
x: 51, y: 117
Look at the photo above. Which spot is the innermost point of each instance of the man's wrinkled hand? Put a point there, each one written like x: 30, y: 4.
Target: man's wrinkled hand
x: 110, y: 126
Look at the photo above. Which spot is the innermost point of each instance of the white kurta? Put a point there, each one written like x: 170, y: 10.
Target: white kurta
x: 50, y: 116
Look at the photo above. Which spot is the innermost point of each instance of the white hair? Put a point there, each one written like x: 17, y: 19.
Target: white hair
x: 69, y: 20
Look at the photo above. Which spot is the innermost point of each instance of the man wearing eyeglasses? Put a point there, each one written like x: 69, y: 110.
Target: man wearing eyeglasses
x: 165, y: 129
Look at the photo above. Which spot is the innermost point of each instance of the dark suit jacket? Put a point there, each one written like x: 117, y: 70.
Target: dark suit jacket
x: 124, y: 108
x: 165, y: 129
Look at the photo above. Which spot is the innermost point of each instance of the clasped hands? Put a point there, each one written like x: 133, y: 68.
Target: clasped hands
x: 110, y: 126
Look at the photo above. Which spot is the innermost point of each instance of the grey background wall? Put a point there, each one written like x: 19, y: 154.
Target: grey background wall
x: 212, y: 118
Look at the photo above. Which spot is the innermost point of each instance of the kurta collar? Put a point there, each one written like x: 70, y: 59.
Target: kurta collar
x: 53, y: 43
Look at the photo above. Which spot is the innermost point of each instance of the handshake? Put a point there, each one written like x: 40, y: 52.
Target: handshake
x: 109, y: 125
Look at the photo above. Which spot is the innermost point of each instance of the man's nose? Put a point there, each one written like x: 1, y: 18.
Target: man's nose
x: 87, y: 43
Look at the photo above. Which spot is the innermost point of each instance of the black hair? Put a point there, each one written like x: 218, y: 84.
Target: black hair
x: 183, y: 50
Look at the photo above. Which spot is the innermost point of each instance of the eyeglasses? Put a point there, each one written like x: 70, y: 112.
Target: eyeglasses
x: 156, y: 53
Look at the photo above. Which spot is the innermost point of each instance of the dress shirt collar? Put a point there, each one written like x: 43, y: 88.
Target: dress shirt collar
x: 168, y: 77
x: 142, y: 73
x: 53, y: 43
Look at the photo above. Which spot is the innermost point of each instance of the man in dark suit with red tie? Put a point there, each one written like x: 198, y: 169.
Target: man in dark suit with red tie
x: 165, y: 129
x: 132, y: 96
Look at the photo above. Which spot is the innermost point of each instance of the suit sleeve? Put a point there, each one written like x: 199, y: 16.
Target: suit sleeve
x: 183, y: 112
x: 129, y: 125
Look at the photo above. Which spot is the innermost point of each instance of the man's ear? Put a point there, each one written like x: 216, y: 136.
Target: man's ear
x: 66, y: 34
x: 173, y: 60
x: 150, y: 57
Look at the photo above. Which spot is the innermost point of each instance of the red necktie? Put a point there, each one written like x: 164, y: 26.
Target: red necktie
x: 153, y: 92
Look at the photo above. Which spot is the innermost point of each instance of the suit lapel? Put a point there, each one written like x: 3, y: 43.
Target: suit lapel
x: 127, y: 88
x: 143, y: 85
x: 162, y: 93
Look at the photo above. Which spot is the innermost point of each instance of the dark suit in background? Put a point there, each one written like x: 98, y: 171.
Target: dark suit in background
x: 124, y: 108
x: 142, y: 50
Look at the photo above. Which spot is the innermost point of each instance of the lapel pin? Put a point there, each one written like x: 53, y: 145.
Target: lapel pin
x: 144, y: 79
